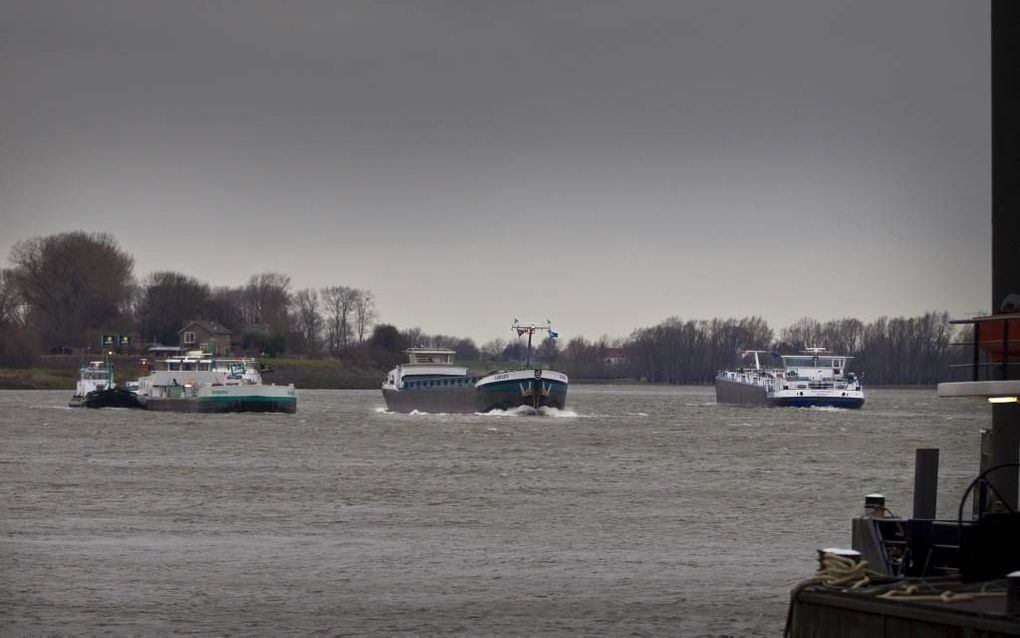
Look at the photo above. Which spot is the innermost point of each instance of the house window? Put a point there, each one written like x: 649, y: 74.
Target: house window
x: 189, y: 337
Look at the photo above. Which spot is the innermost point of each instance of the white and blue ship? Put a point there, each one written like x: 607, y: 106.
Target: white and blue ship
x: 813, y: 378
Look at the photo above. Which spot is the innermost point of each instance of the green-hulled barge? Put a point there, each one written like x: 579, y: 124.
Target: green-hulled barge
x: 200, y: 382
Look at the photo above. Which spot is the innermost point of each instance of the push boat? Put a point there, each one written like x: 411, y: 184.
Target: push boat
x: 813, y: 378
x: 96, y: 389
x: 431, y: 382
x: 201, y: 382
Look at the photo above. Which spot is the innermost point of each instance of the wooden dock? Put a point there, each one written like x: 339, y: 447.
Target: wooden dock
x: 821, y: 611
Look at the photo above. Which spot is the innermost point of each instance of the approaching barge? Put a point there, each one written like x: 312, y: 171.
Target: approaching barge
x: 813, y: 378
x: 431, y: 382
x: 200, y: 382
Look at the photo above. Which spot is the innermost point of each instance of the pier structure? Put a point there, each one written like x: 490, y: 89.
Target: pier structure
x: 1006, y: 227
x: 921, y: 576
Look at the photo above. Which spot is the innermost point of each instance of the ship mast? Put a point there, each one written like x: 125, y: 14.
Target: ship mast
x: 530, y: 329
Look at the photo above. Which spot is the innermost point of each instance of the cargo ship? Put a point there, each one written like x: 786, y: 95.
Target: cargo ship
x: 201, y: 382
x: 813, y: 378
x: 432, y: 382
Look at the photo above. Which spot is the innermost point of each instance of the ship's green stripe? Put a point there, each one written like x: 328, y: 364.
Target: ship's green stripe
x: 246, y: 399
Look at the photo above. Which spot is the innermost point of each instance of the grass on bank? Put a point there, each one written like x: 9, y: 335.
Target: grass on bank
x: 37, y: 379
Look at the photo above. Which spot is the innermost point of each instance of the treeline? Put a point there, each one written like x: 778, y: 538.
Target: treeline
x: 888, y: 351
x: 61, y: 292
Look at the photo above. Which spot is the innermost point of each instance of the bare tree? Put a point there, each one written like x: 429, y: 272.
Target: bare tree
x: 547, y: 351
x: 493, y: 350
x: 364, y: 312
x: 309, y: 320
x: 10, y: 300
x: 467, y: 350
x: 18, y: 347
x: 267, y: 300
x: 339, y: 304
x: 414, y: 337
x: 803, y: 333
x: 226, y: 307
x: 167, y: 300
x: 72, y: 284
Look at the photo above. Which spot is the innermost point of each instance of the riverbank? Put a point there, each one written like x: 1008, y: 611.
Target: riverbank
x: 60, y: 372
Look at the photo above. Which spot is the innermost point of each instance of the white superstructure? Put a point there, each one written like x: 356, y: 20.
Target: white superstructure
x: 96, y: 376
x: 199, y: 381
x: 812, y: 378
x: 196, y: 369
x: 431, y: 363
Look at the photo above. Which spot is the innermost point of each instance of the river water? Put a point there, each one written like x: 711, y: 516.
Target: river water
x: 639, y: 510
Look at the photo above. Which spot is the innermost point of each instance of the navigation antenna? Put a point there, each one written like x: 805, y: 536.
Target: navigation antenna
x: 526, y: 328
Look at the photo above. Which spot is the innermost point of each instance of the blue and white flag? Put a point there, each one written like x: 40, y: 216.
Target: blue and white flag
x: 553, y: 334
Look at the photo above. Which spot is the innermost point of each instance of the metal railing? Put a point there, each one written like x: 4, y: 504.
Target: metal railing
x: 995, y: 347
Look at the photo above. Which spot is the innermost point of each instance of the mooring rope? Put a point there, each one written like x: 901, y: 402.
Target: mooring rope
x: 914, y: 592
x: 840, y: 572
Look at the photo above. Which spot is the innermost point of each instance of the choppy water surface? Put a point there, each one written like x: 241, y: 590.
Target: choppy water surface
x: 642, y: 510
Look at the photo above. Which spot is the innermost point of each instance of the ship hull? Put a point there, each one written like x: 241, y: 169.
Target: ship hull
x: 537, y: 392
x: 218, y: 399
x: 736, y: 393
x: 740, y: 393
x: 849, y: 403
x: 432, y: 400
x: 110, y: 398
x: 498, y: 391
x: 238, y: 404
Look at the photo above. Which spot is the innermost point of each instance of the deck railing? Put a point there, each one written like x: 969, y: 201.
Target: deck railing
x: 995, y: 347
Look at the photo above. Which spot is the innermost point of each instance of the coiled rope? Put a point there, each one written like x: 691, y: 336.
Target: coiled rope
x: 845, y: 573
x: 922, y: 591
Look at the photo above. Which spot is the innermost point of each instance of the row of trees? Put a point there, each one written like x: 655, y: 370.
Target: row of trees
x: 63, y: 291
x: 887, y: 351
x: 265, y: 311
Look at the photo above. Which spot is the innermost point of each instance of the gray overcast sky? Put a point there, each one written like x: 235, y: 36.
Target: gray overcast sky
x: 605, y: 164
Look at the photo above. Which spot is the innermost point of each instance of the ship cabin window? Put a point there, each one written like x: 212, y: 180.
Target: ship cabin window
x: 798, y: 362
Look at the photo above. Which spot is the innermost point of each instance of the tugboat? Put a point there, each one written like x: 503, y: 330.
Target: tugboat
x: 813, y: 378
x: 200, y: 382
x: 431, y: 382
x: 95, y: 388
